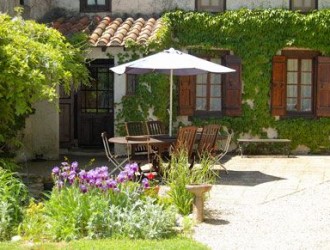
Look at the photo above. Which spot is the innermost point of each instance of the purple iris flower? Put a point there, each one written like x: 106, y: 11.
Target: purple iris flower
x: 64, y: 175
x: 122, y: 176
x: 111, y: 183
x: 145, y: 183
x: 83, y: 174
x: 59, y: 184
x: 98, y: 182
x: 74, y: 166
x: 71, y: 177
x: 134, y: 167
x: 83, y: 188
x: 56, y: 171
x: 130, y: 174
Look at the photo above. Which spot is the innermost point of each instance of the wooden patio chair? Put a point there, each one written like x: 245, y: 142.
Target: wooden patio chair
x: 185, y: 140
x: 117, y: 165
x: 155, y: 128
x: 137, y: 128
x: 208, y: 139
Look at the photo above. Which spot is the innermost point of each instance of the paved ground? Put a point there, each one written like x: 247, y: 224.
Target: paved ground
x: 263, y: 203
x: 269, y: 203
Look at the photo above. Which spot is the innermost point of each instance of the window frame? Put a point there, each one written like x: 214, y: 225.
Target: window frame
x: 131, y: 79
x: 209, y: 8
x: 94, y: 68
x: 84, y: 7
x: 205, y: 113
x: 293, y: 8
x: 303, y: 54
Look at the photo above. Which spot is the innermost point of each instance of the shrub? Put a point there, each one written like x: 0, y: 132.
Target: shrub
x: 95, y: 205
x: 13, y: 195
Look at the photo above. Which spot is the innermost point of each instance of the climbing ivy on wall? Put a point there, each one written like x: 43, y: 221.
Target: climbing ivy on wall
x: 255, y: 36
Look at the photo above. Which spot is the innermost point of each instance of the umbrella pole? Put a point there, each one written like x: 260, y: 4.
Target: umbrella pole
x: 171, y: 102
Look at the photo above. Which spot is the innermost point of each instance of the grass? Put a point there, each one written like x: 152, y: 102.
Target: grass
x: 123, y: 244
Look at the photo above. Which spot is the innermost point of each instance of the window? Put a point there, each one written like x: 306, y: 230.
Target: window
x: 303, y: 5
x: 98, y: 96
x: 300, y: 84
x: 95, y: 5
x: 211, y: 5
x: 132, y: 82
x: 212, y: 94
x: 208, y: 91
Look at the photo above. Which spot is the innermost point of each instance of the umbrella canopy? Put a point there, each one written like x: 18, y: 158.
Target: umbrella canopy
x: 171, y: 62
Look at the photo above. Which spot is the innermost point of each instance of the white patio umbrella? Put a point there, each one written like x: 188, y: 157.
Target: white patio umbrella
x: 171, y: 62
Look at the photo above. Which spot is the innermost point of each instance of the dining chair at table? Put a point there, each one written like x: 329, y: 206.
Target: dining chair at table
x: 137, y: 128
x: 141, y: 141
x: 208, y: 139
x: 117, y: 165
x: 155, y: 128
x: 185, y: 140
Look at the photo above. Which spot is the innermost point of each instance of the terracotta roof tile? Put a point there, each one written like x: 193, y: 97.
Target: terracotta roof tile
x: 109, y: 31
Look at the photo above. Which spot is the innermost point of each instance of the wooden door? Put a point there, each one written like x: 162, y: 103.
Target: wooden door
x: 66, y: 119
x: 96, y: 105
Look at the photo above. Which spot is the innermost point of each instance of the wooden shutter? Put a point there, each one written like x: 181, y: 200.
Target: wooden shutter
x: 187, y: 95
x: 278, y: 88
x: 232, y: 87
x: 323, y: 87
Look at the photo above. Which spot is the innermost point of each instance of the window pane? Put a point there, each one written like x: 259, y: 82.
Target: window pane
x: 292, y: 78
x: 200, y: 104
x: 215, y: 2
x: 291, y: 91
x: 90, y: 99
x: 103, y: 81
x: 306, y: 105
x: 201, y: 90
x: 201, y: 78
x: 103, y: 99
x: 91, y: 2
x: 291, y: 104
x: 215, y: 104
x: 215, y: 78
x: 101, y: 2
x: 205, y: 2
x: 216, y: 90
x: 306, y: 91
x: 306, y: 65
x: 292, y: 64
x: 306, y: 78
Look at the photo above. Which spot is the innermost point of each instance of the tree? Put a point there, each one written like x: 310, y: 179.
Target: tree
x: 34, y: 61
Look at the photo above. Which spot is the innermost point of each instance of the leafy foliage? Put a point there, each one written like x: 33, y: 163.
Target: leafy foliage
x: 94, y: 204
x: 178, y: 174
x: 34, y: 61
x: 13, y: 195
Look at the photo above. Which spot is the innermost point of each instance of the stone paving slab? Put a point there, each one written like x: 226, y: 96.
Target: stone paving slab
x: 269, y: 203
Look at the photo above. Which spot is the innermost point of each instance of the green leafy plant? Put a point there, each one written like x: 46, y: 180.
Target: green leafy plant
x: 13, y: 196
x: 179, y: 173
x: 94, y: 204
x: 34, y: 61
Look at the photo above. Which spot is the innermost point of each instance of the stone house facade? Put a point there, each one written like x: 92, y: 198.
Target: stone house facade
x: 83, y: 116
